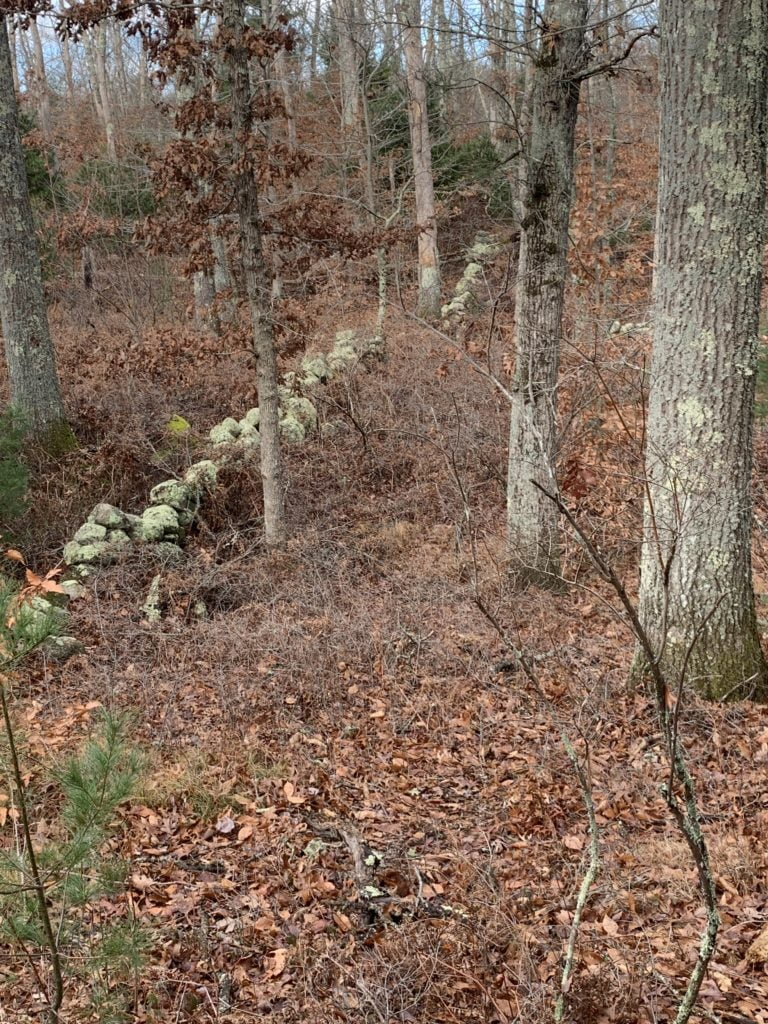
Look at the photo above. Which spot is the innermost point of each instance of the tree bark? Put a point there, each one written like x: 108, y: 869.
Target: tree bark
x: 532, y: 519
x: 344, y: 15
x: 428, y: 305
x: 255, y: 271
x: 14, y: 57
x: 42, y: 94
x: 102, y: 84
x: 497, y: 93
x: 23, y: 315
x: 696, y: 596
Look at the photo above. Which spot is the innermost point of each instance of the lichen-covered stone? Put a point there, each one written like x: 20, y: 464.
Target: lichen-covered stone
x: 221, y: 435
x: 232, y: 425
x: 97, y: 553
x: 485, y: 249
x: 72, y: 588
x: 168, y: 551
x: 37, y: 615
x: 249, y: 433
x: 62, y: 648
x: 375, y: 347
x: 314, y: 370
x: 118, y: 540
x: 177, y: 425
x: 90, y: 533
x: 202, y: 475
x: 301, y: 409
x: 157, y: 523
x: 291, y: 431
x: 342, y: 358
x: 176, y: 493
x: 152, y: 607
x: 346, y: 339
x: 108, y: 516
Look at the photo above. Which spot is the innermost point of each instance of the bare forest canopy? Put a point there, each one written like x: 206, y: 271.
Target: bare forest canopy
x: 383, y: 504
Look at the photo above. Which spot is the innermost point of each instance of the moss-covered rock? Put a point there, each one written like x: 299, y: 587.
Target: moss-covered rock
x: 176, y: 493
x: 249, y: 434
x: 315, y: 370
x: 301, y: 409
x: 202, y: 475
x: 90, y: 533
x: 159, y: 522
x: 96, y: 553
x: 291, y: 431
x: 168, y: 552
x: 62, y: 648
x: 36, y: 615
x: 118, y: 540
x: 72, y: 588
x: 108, y: 516
x: 225, y: 432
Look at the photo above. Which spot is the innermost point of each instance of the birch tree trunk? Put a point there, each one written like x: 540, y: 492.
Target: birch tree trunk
x: 254, y: 270
x: 28, y: 348
x: 696, y: 597
x: 532, y: 521
x: 428, y: 305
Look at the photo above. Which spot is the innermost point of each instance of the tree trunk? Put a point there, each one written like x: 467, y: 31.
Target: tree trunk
x: 344, y: 15
x: 102, y: 83
x: 531, y: 517
x: 314, y: 41
x: 119, y: 73
x: 42, y: 94
x: 255, y: 271
x: 28, y: 348
x: 14, y: 58
x: 497, y: 91
x: 524, y: 111
x: 428, y: 305
x: 66, y: 60
x: 696, y: 597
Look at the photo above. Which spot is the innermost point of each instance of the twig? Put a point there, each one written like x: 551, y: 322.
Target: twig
x: 589, y: 877
x: 57, y: 997
x: 687, y: 815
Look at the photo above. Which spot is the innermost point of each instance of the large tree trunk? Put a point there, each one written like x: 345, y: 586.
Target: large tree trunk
x: 28, y: 348
x: 14, y: 58
x: 349, y: 73
x: 254, y: 271
x: 531, y: 518
x: 421, y: 147
x: 696, y: 598
x: 99, y: 73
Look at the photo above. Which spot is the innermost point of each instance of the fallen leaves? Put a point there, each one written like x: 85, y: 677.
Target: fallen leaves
x: 758, y: 950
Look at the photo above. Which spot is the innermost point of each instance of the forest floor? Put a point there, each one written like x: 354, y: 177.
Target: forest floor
x: 356, y: 807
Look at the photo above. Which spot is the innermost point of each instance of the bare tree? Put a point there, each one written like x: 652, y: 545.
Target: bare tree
x: 532, y: 520
x: 409, y: 13
x: 256, y: 278
x: 28, y: 347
